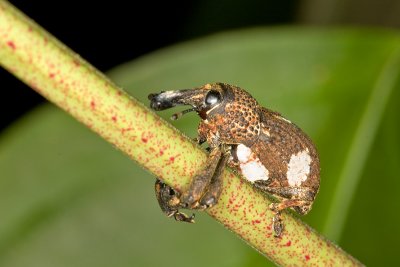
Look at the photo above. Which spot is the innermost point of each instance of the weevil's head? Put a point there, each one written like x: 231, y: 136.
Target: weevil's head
x: 229, y: 109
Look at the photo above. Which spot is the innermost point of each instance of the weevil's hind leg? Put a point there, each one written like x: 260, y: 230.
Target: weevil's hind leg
x: 168, y: 199
x: 210, y: 198
x: 300, y: 206
x: 190, y: 198
x: 298, y: 198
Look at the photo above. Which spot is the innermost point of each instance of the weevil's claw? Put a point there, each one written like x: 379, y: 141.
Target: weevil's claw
x: 199, y: 140
x: 182, y: 217
x: 274, y: 207
x: 169, y: 202
x: 277, y: 223
x: 187, y: 201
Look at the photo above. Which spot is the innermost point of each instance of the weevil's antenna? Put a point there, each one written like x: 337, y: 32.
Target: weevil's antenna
x: 180, y: 114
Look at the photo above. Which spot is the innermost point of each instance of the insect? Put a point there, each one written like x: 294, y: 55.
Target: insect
x: 269, y: 151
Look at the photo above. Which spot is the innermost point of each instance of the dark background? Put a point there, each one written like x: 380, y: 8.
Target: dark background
x: 107, y: 35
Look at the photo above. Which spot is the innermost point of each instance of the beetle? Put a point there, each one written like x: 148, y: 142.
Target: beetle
x: 269, y: 151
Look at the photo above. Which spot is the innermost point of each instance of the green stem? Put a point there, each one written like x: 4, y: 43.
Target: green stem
x: 60, y: 75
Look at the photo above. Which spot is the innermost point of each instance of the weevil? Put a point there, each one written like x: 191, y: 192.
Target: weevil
x: 269, y: 151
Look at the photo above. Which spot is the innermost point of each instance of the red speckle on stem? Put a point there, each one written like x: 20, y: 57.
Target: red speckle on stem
x: 76, y: 63
x: 144, y: 140
x: 172, y: 159
x: 92, y: 104
x: 51, y: 75
x: 255, y: 221
x: 114, y: 118
x: 289, y: 243
x: 123, y: 130
x: 307, y: 257
x: 11, y: 44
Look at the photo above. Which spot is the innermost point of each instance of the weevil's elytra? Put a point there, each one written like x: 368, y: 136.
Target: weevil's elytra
x: 268, y: 150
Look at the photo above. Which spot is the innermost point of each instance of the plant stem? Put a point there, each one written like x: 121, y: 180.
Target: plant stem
x: 65, y: 79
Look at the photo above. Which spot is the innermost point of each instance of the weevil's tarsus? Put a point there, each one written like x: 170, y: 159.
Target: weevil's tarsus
x: 168, y: 200
x: 182, y: 217
x: 277, y: 224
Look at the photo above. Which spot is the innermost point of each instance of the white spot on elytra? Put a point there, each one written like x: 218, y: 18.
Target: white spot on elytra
x: 243, y: 153
x: 298, y: 168
x: 250, y: 165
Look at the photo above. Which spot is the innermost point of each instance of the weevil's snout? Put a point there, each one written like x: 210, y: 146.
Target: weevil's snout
x: 169, y: 99
x: 159, y: 101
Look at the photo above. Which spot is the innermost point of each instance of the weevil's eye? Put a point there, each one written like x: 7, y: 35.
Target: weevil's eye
x: 212, y: 98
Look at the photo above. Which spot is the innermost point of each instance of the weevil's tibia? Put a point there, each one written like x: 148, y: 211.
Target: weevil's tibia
x: 213, y: 191
x: 191, y: 198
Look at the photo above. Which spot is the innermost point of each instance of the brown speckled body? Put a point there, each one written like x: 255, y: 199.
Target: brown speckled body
x: 268, y: 150
x: 225, y: 121
x: 275, y: 150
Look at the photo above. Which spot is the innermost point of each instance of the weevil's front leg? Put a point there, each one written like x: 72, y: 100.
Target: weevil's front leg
x: 168, y: 199
x: 211, y: 196
x: 190, y: 198
x: 208, y: 179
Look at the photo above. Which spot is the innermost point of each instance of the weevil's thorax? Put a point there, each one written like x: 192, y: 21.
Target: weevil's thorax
x: 236, y: 120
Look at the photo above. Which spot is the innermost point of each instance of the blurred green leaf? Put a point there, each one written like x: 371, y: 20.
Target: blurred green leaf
x: 67, y: 198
